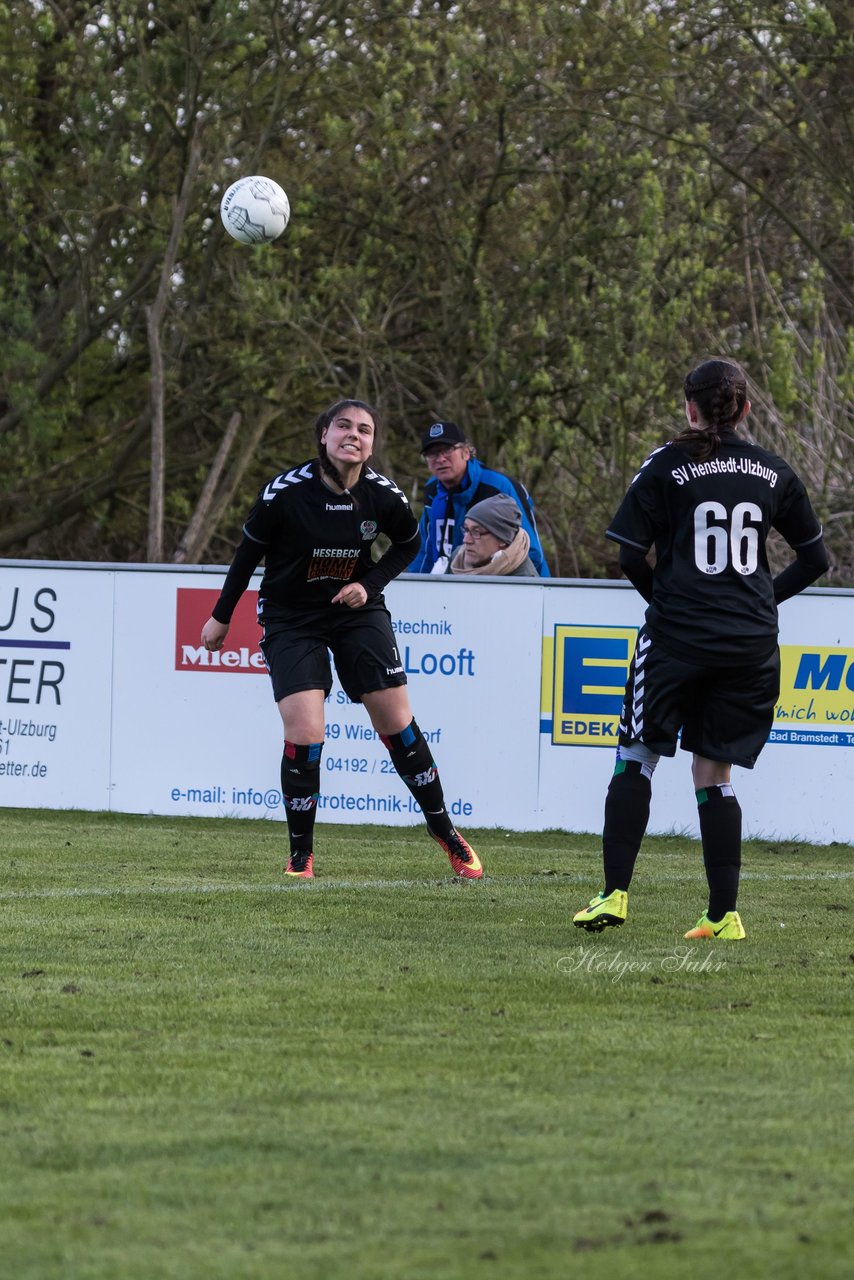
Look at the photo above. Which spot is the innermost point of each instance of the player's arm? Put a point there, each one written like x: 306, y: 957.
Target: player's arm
x: 801, y: 528
x: 635, y: 527
x: 390, y: 564
x: 401, y: 528
x: 638, y: 570
x: 397, y: 557
x: 812, y: 561
x: 247, y: 557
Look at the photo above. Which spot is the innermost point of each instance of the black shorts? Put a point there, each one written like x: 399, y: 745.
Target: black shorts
x: 296, y: 645
x: 724, y: 713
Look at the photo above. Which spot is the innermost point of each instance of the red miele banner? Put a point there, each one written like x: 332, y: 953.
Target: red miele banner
x: 240, y: 653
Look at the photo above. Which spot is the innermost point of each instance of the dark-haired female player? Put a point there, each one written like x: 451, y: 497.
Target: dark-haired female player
x: 706, y: 660
x: 314, y: 527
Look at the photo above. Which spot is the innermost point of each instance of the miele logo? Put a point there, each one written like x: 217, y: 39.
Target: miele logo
x: 240, y: 653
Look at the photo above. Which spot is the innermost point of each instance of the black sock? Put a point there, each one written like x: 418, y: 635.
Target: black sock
x: 300, y: 790
x: 626, y: 816
x: 720, y: 829
x: 414, y: 762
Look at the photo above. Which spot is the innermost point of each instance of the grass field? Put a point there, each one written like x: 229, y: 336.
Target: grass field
x: 388, y: 1074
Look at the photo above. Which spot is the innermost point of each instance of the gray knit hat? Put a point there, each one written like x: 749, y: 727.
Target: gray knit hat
x: 499, y: 515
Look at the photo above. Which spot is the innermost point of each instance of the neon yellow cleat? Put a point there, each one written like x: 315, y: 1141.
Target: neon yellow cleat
x: 730, y: 929
x: 602, y: 912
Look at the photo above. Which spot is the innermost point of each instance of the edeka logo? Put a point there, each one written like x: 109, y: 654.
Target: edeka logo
x: 588, y: 667
x: 240, y: 653
x: 816, y: 686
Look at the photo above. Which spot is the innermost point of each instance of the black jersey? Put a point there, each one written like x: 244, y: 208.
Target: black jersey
x: 712, y: 594
x: 313, y: 540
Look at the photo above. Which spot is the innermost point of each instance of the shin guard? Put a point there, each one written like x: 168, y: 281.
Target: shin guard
x: 720, y: 830
x: 626, y: 816
x: 300, y: 790
x: 413, y: 760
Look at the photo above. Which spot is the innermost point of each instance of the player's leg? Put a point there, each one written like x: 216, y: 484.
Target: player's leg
x: 370, y: 670
x: 298, y: 662
x: 391, y: 716
x: 626, y: 813
x: 720, y: 832
x: 649, y: 725
x: 302, y: 718
x: 626, y: 817
x: 732, y: 719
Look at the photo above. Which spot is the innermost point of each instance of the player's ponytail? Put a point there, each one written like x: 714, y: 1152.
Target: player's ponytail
x: 323, y: 421
x: 719, y: 390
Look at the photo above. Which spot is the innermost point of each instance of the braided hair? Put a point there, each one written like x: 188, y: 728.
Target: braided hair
x: 719, y: 390
x: 323, y: 422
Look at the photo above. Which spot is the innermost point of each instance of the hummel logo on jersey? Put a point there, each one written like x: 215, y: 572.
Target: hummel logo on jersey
x: 386, y: 483
x: 648, y: 461
x: 282, y: 481
x: 643, y: 644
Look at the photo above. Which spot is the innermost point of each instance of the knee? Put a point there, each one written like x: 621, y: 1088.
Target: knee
x: 710, y: 773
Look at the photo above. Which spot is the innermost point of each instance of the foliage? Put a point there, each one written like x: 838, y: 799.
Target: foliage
x: 532, y: 218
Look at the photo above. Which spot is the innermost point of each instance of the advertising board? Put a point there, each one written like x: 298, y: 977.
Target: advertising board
x: 109, y: 701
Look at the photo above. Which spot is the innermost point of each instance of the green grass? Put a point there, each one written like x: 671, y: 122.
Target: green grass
x: 389, y: 1074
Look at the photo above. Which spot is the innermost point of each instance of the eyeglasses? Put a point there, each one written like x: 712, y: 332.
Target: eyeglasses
x: 441, y: 451
x: 476, y: 534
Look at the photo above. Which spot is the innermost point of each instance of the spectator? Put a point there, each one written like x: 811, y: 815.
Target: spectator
x: 457, y: 482
x: 493, y: 541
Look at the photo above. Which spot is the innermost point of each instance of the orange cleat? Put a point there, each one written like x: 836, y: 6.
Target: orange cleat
x: 461, y: 856
x: 300, y: 865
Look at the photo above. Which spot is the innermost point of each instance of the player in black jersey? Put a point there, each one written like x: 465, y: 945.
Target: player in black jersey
x: 706, y: 660
x: 314, y: 526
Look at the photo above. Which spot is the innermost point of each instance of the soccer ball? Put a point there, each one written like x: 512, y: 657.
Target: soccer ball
x: 255, y: 210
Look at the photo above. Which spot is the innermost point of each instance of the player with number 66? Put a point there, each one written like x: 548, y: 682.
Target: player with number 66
x: 706, y: 664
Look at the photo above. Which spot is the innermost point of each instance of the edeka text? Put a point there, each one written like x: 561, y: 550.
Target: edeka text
x: 590, y: 728
x: 460, y: 663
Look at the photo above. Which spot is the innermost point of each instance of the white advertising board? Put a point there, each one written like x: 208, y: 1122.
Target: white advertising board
x: 108, y: 701
x: 56, y: 641
x: 202, y: 735
x: 801, y: 787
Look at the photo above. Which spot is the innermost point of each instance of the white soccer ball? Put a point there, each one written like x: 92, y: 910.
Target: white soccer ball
x: 255, y: 210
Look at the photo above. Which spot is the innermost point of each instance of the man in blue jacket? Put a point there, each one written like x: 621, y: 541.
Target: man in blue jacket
x: 457, y: 482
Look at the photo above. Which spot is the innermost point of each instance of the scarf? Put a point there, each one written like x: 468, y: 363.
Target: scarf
x: 503, y: 562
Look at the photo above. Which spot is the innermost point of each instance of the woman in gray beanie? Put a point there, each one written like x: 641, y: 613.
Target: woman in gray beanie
x: 494, y: 541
